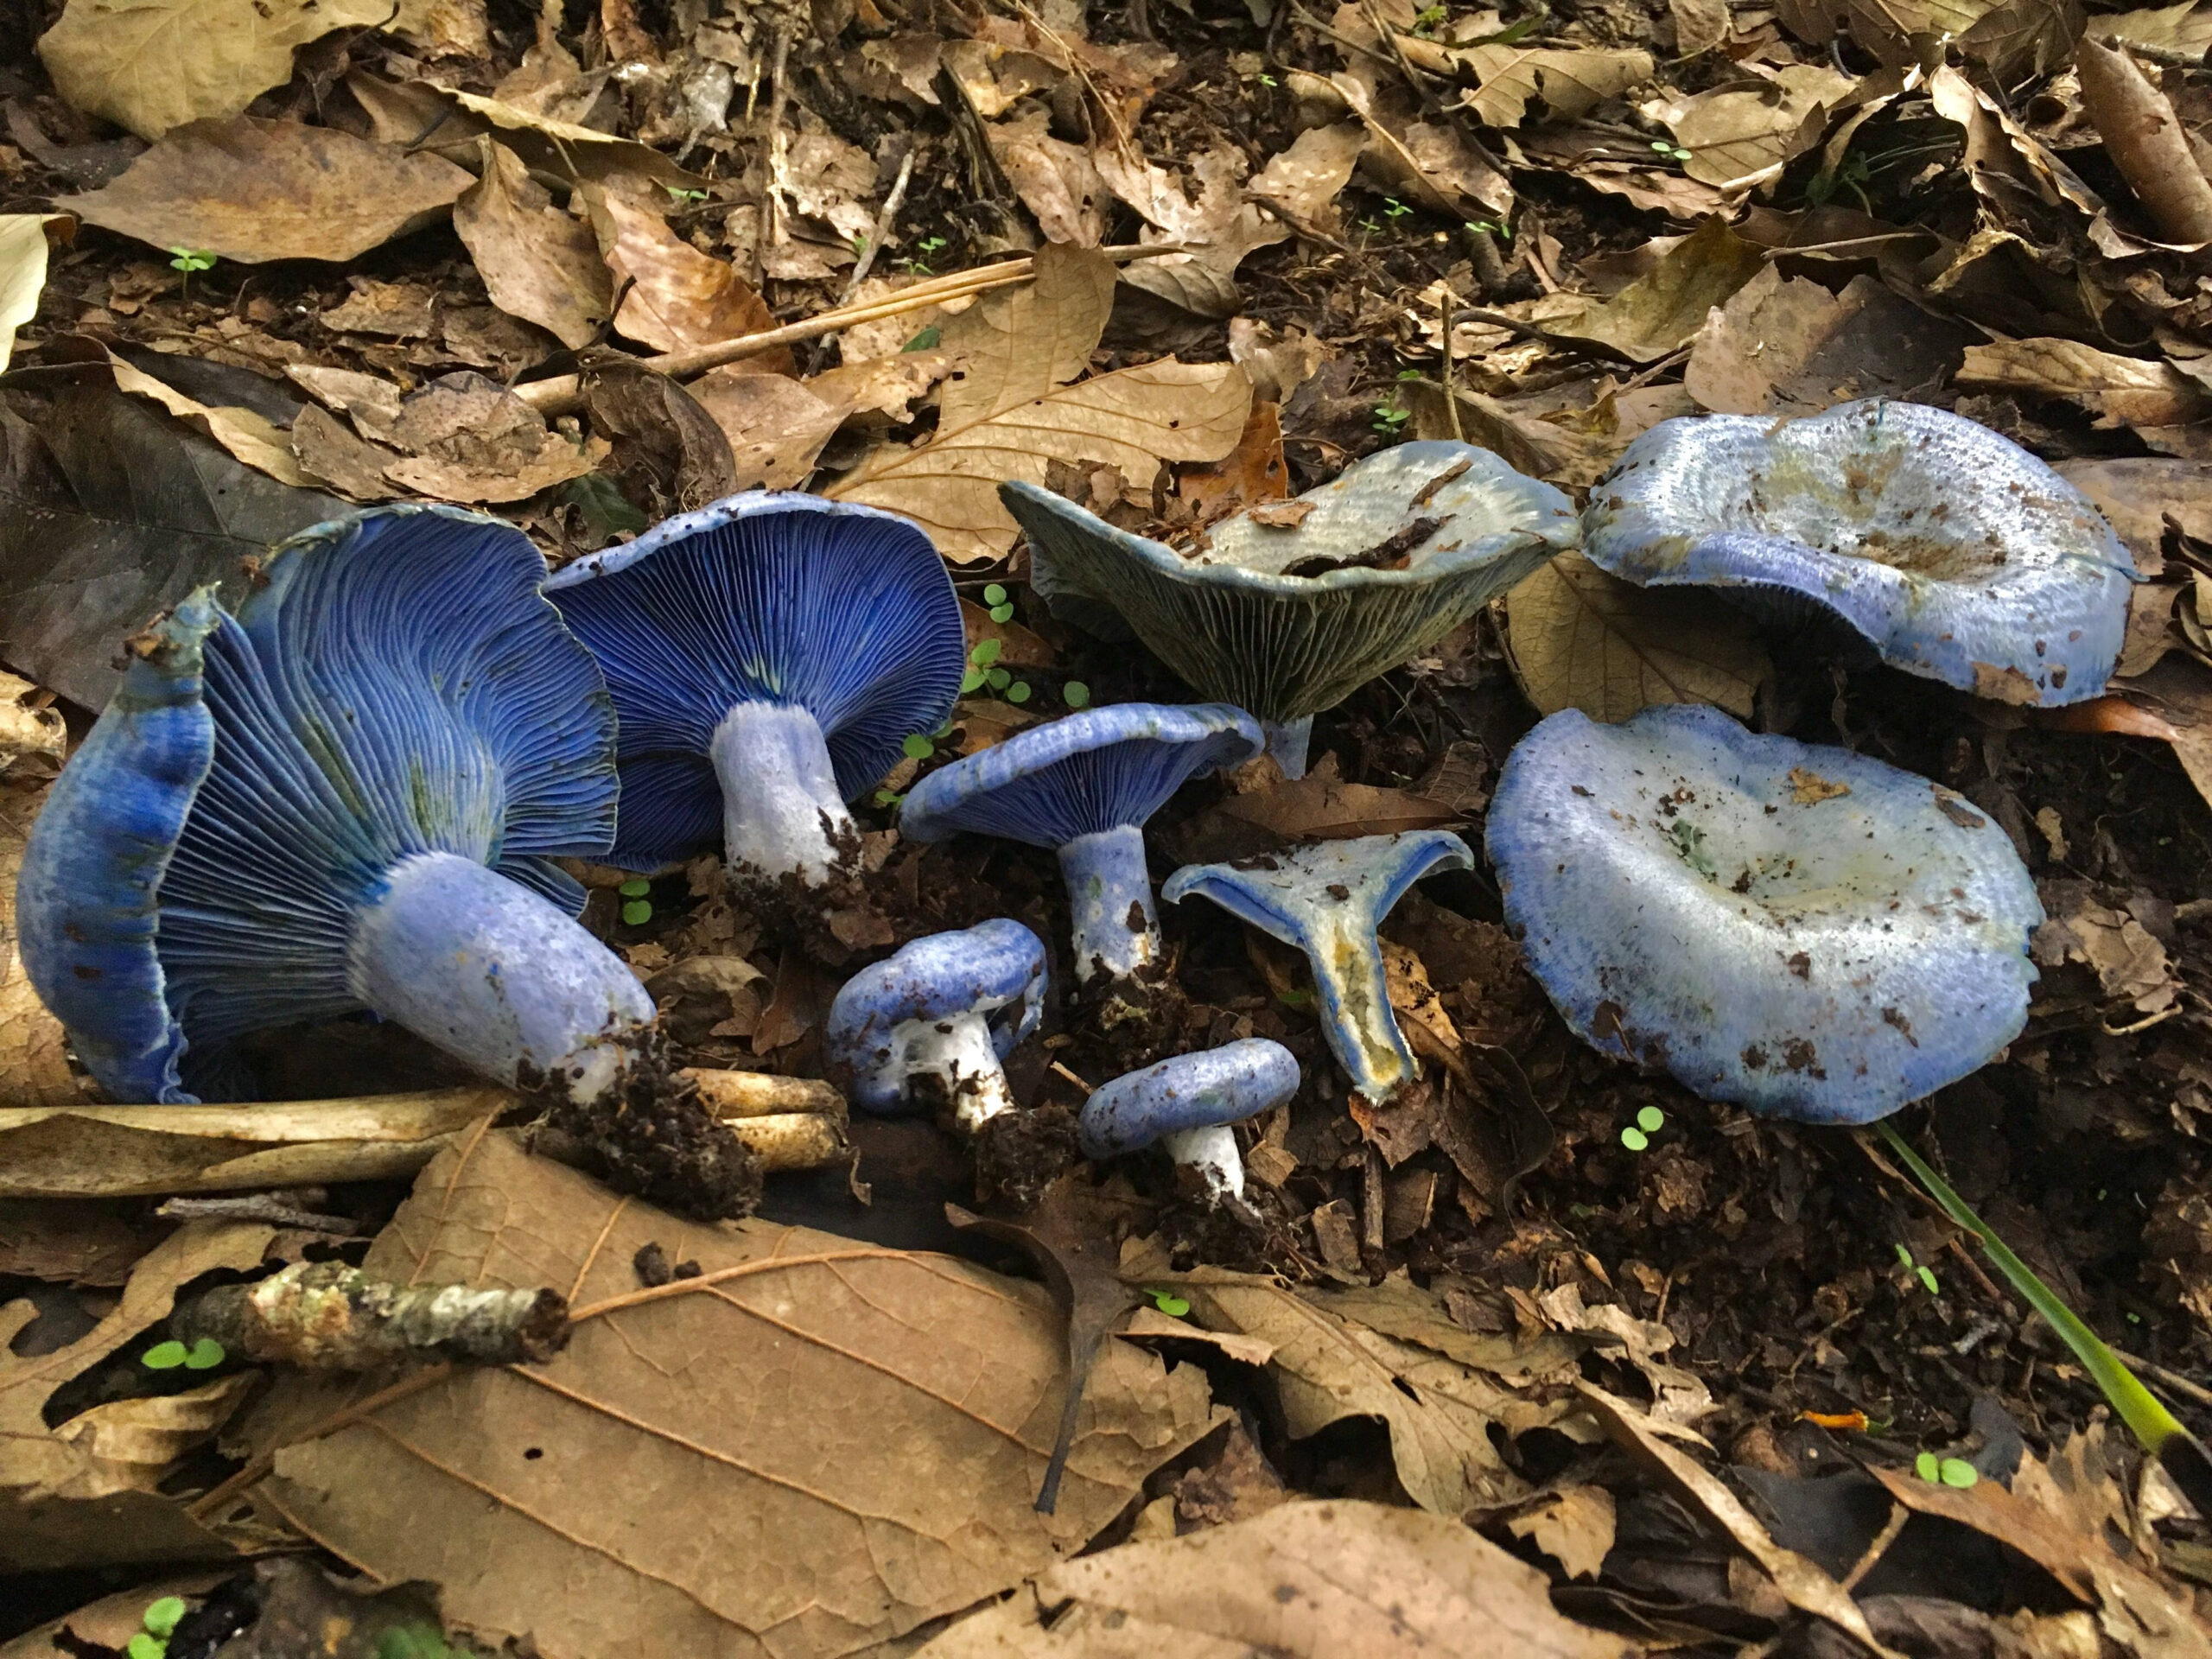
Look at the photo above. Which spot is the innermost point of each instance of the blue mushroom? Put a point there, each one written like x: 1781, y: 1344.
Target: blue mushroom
x: 1959, y: 556
x: 1288, y: 613
x: 1187, y: 1104
x: 1327, y: 899
x: 1084, y: 786
x: 768, y: 655
x: 929, y: 1025
x: 1792, y: 928
x: 342, y: 797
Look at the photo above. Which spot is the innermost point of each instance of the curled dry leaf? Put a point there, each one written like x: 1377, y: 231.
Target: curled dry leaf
x: 2138, y: 497
x: 1057, y: 181
x: 2185, y: 27
x: 1218, y: 224
x: 1437, y: 167
x: 421, y: 116
x: 695, y: 1472
x: 1579, y: 639
x: 22, y: 271
x: 1788, y: 345
x: 1010, y: 413
x: 1276, y: 361
x: 1664, y: 309
x: 538, y: 262
x: 253, y: 190
x: 1304, y: 182
x: 1337, y: 1580
x: 153, y: 64
x: 678, y: 297
x: 1738, y: 136
x: 251, y: 437
x: 2131, y: 391
x: 1570, y: 82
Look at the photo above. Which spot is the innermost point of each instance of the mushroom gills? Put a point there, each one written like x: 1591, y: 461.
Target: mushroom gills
x: 1116, y: 930
x: 781, y: 811
x: 433, y: 954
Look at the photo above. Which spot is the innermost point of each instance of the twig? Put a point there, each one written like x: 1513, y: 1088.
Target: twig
x: 255, y: 1206
x: 883, y: 223
x: 1451, y: 392
x: 1880, y: 1541
x: 2174, y: 1380
x: 772, y: 192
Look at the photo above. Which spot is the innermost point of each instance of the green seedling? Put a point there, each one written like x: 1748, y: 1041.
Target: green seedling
x: 189, y: 260
x: 1076, y: 695
x: 1650, y: 1120
x: 1168, y: 1303
x: 164, y: 1356
x: 918, y: 264
x: 204, y: 1355
x: 1265, y: 79
x: 888, y: 798
x: 1390, y: 419
x: 161, y: 1616
x: 1496, y: 227
x: 1002, y: 606
x: 1427, y: 21
x: 1945, y: 1472
x: 1671, y: 150
x: 1635, y: 1139
x: 637, y: 904
x: 143, y: 1646
x: 678, y: 193
x: 1919, y: 1270
x: 1393, y: 208
x: 2179, y: 1453
x: 918, y: 747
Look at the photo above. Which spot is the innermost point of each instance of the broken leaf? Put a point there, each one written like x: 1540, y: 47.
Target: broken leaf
x: 1057, y: 181
x: 1570, y: 82
x: 1304, y: 182
x: 538, y: 262
x: 1788, y: 345
x: 253, y: 190
x: 1738, y: 136
x: 251, y: 437
x: 153, y: 65
x: 788, y: 1533
x: 776, y: 427
x: 469, y: 439
x: 678, y: 298
x: 1008, y: 414
x: 1664, y: 309
x: 419, y: 115
x: 2133, y: 391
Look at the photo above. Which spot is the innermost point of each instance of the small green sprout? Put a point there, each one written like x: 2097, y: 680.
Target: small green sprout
x: 1919, y: 1270
x: 1002, y: 607
x: 1393, y: 208
x: 1076, y: 694
x: 1426, y: 21
x: 1634, y: 1138
x: 1168, y: 1302
x: 1368, y: 226
x: 918, y: 265
x: 1671, y: 150
x: 205, y: 1355
x: 636, y: 907
x: 1496, y: 227
x: 925, y: 340
x: 888, y: 798
x: 1649, y: 1119
x: 678, y: 193
x: 918, y: 747
x: 1018, y: 692
x: 189, y: 260
x: 1390, y: 419
x: 1946, y: 1472
x: 1265, y: 79
x: 164, y: 1356
x: 143, y: 1646
x: 161, y: 1616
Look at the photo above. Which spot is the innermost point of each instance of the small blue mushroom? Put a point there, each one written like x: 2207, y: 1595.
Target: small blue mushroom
x: 929, y: 1025
x: 1287, y: 615
x: 343, y: 797
x: 1327, y: 899
x: 1187, y: 1103
x: 768, y: 655
x: 1084, y: 786
x: 1959, y: 555
x: 1792, y: 928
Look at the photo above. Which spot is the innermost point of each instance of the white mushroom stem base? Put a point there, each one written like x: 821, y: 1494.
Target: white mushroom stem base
x: 954, y: 1063
x: 1213, y: 1153
x: 1287, y: 741
x: 495, y: 976
x: 1116, y: 930
x: 781, y: 811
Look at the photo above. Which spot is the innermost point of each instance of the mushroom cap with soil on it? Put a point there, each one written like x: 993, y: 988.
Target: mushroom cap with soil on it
x: 1327, y: 897
x: 1789, y: 927
x: 1290, y: 608
x: 342, y: 797
x: 1188, y: 1103
x: 1084, y: 786
x: 768, y: 656
x: 929, y: 1025
x: 1956, y: 553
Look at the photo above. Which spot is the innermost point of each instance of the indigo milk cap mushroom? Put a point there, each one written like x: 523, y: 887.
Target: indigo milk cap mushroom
x: 1084, y: 786
x: 1959, y: 556
x: 1789, y: 927
x: 768, y: 656
x: 929, y: 1025
x: 1327, y: 897
x: 343, y: 797
x: 1187, y: 1104
x: 1289, y: 608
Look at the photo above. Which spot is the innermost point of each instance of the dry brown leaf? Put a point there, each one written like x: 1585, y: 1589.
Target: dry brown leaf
x: 1319, y: 807
x: 1569, y: 456
x: 70, y: 1243
x: 538, y: 262
x: 678, y: 297
x: 252, y: 438
x: 1574, y: 1527
x: 1579, y: 639
x: 1664, y: 309
x: 1569, y: 81
x: 1276, y: 362
x: 55, y: 1487
x: 1337, y: 1580
x: 469, y: 439
x: 1738, y: 136
x: 2130, y: 963
x: 34, y: 1051
x: 2134, y: 391
x: 2185, y: 27
x: 1700, y: 25
x: 775, y: 427
x: 1018, y: 646
x: 668, y: 454
x: 1788, y: 345
x: 1057, y: 181
x: 253, y: 191
x: 1437, y: 168
x: 372, y: 402
x: 2139, y: 496
x: 697, y: 1474
x: 419, y: 115
x: 1305, y: 181
x: 1009, y: 414
x: 1219, y: 226
x: 1253, y: 474
x: 393, y: 310
x: 153, y: 65
x: 22, y: 271
x: 1679, y: 1396
x: 445, y: 29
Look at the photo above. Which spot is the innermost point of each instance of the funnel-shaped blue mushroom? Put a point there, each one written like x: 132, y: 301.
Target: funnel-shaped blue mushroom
x: 768, y: 656
x: 1084, y: 786
x: 1327, y: 897
x: 341, y: 797
x: 1287, y: 615
x: 1187, y: 1105
x: 1792, y: 928
x: 929, y: 1025
x: 1959, y: 556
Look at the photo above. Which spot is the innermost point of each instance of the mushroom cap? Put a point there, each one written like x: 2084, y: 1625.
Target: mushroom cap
x: 1231, y: 620
x: 994, y: 968
x: 1959, y: 555
x: 1190, y: 1091
x: 770, y: 596
x: 1787, y: 926
x: 1096, y: 769
x: 395, y: 685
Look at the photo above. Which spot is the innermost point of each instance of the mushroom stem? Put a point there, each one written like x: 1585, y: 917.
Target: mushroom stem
x: 781, y: 811
x: 492, y: 973
x: 1109, y: 900
x: 954, y: 1059
x: 1287, y: 741
x: 1211, y: 1151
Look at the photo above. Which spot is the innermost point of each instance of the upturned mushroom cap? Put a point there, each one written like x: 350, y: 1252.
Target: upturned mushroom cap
x: 1396, y: 551
x: 768, y: 597
x: 393, y: 693
x: 1208, y: 1089
x: 993, y: 972
x: 1792, y: 928
x: 1959, y: 555
x: 1327, y: 897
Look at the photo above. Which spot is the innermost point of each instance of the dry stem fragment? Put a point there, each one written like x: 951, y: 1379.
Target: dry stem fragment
x: 326, y: 1316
